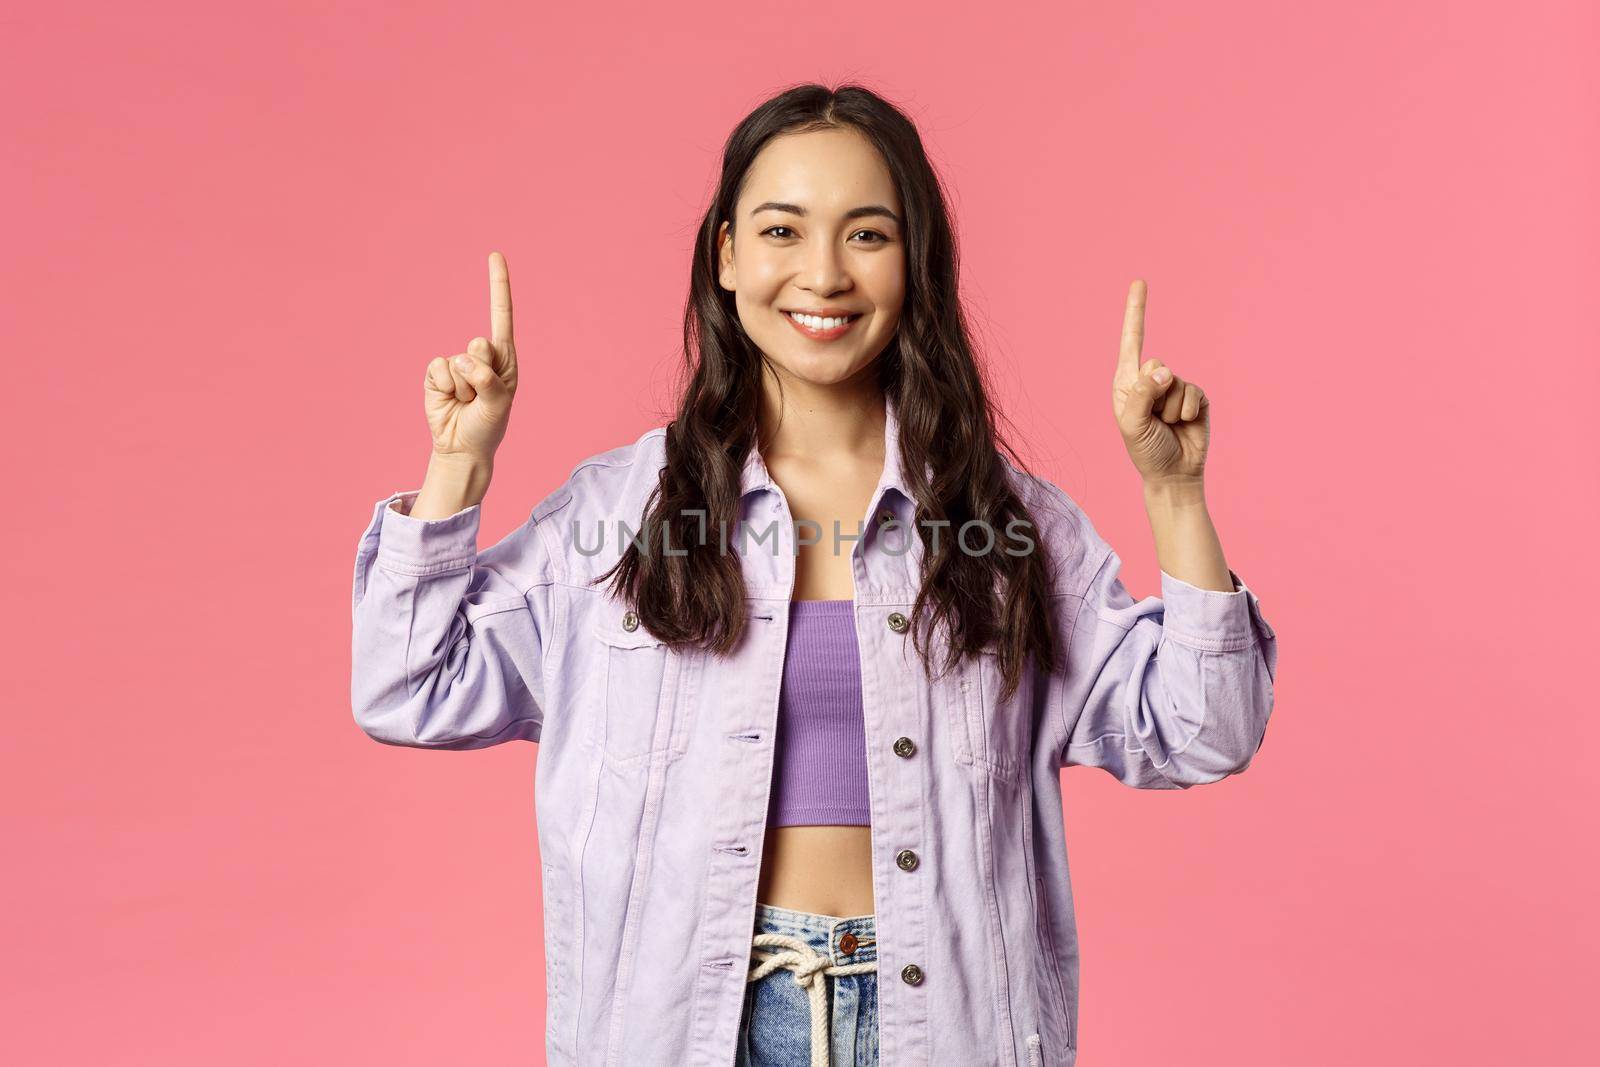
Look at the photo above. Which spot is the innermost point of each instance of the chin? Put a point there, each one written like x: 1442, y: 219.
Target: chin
x: 820, y: 369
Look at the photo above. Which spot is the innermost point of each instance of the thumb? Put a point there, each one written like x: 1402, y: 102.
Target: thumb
x: 484, y: 381
x: 1146, y: 392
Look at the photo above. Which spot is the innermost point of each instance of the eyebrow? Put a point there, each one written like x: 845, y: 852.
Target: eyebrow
x: 865, y: 211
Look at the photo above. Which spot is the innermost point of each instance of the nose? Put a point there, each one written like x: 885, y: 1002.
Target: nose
x: 825, y: 270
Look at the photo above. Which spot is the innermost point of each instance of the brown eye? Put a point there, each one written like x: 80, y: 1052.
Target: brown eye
x: 769, y: 229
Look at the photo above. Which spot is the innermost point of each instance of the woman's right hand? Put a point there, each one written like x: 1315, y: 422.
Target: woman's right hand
x: 467, y: 397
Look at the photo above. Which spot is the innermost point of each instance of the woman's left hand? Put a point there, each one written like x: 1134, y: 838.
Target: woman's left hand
x: 1166, y: 425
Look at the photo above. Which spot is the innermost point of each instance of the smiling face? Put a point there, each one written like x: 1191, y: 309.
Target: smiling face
x: 819, y: 230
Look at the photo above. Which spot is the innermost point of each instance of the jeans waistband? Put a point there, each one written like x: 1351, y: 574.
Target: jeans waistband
x: 842, y: 939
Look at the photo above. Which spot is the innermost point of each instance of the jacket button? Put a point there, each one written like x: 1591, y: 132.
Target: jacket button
x: 903, y: 747
x: 911, y: 974
x: 897, y: 622
x: 907, y: 860
x: 630, y: 621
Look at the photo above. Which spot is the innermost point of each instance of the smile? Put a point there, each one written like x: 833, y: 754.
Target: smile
x: 819, y: 328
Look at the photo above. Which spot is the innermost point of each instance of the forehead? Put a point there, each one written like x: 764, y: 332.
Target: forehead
x: 823, y: 171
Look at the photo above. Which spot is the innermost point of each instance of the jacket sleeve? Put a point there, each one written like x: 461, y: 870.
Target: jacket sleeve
x: 448, y: 642
x: 1165, y: 692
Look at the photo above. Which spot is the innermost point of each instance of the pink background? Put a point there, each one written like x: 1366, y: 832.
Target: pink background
x: 234, y: 240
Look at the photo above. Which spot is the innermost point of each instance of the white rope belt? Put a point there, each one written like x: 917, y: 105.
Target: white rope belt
x: 811, y: 971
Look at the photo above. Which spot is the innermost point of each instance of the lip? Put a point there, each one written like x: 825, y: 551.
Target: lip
x: 825, y: 312
x: 822, y: 335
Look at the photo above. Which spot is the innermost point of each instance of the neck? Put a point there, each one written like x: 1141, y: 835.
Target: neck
x: 822, y: 423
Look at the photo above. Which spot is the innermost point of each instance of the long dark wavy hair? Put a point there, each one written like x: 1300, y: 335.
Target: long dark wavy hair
x: 994, y: 600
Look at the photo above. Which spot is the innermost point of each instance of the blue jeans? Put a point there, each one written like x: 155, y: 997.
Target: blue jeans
x: 792, y: 952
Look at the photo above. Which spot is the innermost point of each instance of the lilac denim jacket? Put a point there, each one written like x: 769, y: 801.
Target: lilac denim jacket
x: 654, y: 765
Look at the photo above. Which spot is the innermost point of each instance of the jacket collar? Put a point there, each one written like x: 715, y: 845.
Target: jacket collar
x: 755, y: 475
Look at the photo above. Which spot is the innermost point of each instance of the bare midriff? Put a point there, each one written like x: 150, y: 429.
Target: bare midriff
x: 825, y: 870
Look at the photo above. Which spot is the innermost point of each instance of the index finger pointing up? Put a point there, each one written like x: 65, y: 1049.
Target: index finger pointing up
x: 1133, y: 327
x: 499, y: 302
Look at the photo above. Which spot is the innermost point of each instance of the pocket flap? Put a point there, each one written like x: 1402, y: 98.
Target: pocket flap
x: 609, y: 629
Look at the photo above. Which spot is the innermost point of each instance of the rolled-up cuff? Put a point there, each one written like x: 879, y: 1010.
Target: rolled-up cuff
x: 425, y: 546
x: 1210, y: 619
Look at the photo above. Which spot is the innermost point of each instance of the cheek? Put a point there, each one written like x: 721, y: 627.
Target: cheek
x: 889, y: 306
x: 766, y: 279
x: 887, y: 285
x: 759, y: 267
x: 759, y: 283
x: 755, y: 302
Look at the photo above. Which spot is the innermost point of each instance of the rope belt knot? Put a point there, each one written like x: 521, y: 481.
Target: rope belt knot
x: 811, y: 970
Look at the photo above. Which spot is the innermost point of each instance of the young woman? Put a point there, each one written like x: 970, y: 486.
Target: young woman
x: 804, y: 664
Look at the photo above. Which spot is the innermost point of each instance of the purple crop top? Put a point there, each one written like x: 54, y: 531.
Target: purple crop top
x: 820, y: 769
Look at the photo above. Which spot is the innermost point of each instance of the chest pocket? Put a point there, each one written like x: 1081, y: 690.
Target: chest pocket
x: 644, y: 693
x: 988, y: 736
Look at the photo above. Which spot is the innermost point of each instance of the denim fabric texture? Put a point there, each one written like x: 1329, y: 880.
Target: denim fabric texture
x: 654, y: 763
x: 776, y: 1025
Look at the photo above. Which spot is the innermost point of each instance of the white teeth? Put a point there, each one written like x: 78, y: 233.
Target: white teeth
x: 816, y: 323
